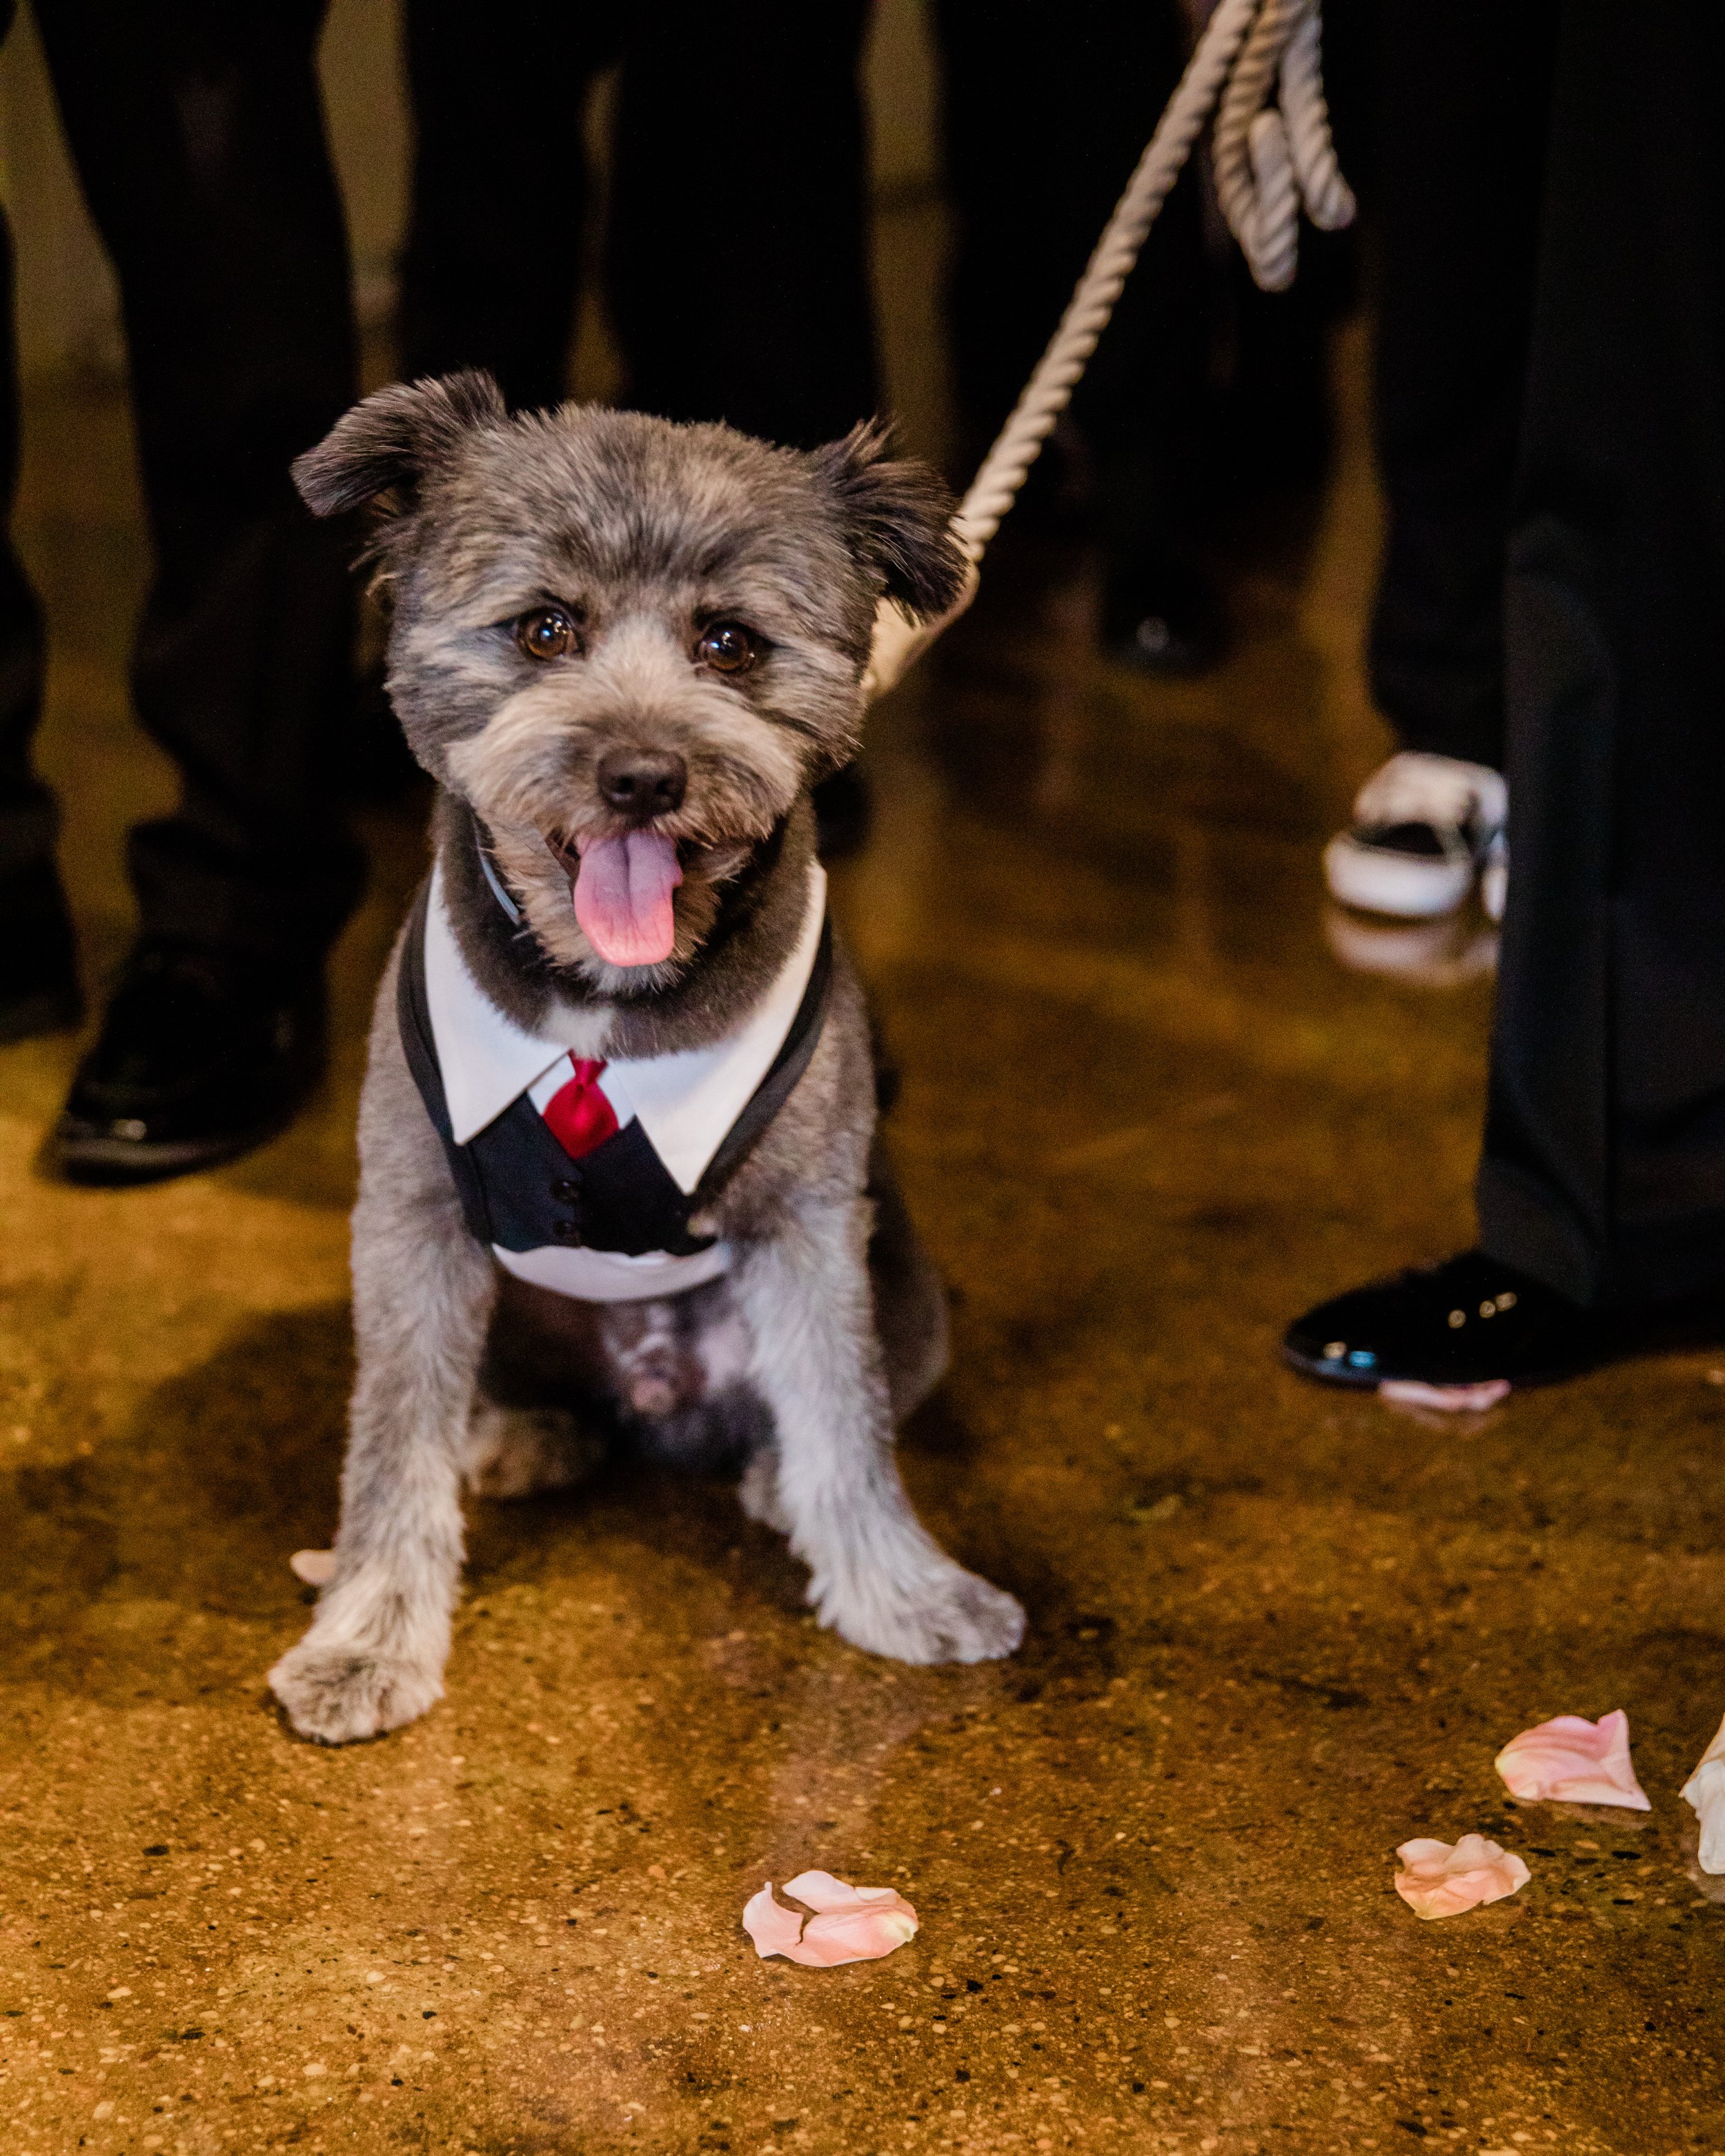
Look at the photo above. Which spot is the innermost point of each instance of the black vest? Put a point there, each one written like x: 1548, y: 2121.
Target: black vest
x: 519, y: 1188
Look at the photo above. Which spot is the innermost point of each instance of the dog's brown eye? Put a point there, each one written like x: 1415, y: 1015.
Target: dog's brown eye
x: 727, y: 647
x: 549, y: 633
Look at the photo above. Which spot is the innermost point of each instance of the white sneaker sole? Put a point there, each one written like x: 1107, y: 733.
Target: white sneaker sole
x: 1494, y: 884
x: 1425, y: 954
x: 1372, y: 879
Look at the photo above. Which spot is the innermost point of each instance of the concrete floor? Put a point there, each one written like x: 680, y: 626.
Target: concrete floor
x: 1274, y: 1632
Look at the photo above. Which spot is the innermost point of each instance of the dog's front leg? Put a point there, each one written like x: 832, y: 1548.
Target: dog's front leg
x: 879, y: 1577
x: 423, y: 1291
x: 374, y: 1656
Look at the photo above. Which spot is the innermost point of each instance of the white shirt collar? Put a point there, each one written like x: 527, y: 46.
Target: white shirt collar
x: 685, y: 1102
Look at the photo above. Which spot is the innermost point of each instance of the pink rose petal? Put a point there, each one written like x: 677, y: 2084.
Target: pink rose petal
x: 850, y: 1923
x: 774, y: 1928
x: 1705, y: 1792
x: 1573, y: 1761
x: 1441, y: 1879
x: 1447, y: 1400
x: 317, y: 1567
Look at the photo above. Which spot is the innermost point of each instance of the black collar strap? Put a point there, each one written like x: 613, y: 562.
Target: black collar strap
x: 488, y: 869
x: 776, y: 1088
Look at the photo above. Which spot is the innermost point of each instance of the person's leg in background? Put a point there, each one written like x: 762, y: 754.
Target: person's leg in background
x: 738, y: 253
x: 737, y: 257
x: 1464, y: 93
x: 1605, y: 1159
x: 197, y: 133
x: 491, y: 272
x: 498, y: 202
x: 1602, y: 1186
x: 1045, y: 117
x: 38, y: 969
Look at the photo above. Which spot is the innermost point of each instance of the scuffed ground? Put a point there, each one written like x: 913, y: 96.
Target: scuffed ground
x: 1275, y: 1632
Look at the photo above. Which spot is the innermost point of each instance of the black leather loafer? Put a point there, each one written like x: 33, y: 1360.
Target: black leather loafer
x: 1464, y: 1323
x: 38, y: 956
x: 202, y: 1055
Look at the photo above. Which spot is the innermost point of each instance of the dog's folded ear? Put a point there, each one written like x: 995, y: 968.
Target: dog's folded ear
x: 386, y: 445
x: 898, y: 513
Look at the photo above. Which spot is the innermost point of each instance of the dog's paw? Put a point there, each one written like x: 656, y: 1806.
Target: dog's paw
x: 757, y: 1492
x: 337, y: 1694
x: 948, y: 1616
x: 512, y: 1452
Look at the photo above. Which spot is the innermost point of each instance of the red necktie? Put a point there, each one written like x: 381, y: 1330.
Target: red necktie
x: 578, y: 1115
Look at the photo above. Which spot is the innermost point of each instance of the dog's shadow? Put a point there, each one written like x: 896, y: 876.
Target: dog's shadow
x: 229, y: 1467
x: 123, y: 1552
x: 225, y: 1470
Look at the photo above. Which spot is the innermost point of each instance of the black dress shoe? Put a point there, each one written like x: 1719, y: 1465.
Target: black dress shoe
x: 202, y: 1055
x: 38, y: 956
x: 1464, y: 1323
x: 1162, y: 615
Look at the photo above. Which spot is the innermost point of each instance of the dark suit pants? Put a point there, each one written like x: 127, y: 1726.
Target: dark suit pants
x: 1603, y: 1172
x: 197, y: 134
x: 735, y: 260
x: 1463, y: 92
x: 1045, y: 117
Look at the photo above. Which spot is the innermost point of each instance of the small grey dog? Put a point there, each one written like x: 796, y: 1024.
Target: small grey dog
x: 619, y: 1166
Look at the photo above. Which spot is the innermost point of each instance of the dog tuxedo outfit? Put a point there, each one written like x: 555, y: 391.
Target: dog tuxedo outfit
x: 583, y: 1175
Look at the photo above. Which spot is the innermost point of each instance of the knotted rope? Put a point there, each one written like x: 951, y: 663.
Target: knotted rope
x: 1270, y: 160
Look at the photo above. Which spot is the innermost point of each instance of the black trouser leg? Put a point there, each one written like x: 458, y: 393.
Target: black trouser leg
x: 197, y: 132
x: 736, y: 259
x: 1042, y: 133
x: 1464, y: 90
x: 1603, y: 1172
x: 27, y: 809
x: 738, y: 263
x: 493, y: 260
x: 28, y: 816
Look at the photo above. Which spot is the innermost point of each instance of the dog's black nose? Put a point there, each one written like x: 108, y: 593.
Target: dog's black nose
x: 643, y: 782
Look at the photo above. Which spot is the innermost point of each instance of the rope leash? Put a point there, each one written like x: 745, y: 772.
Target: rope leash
x: 1270, y: 160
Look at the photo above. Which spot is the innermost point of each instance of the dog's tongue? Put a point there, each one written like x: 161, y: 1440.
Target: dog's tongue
x: 622, y: 897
